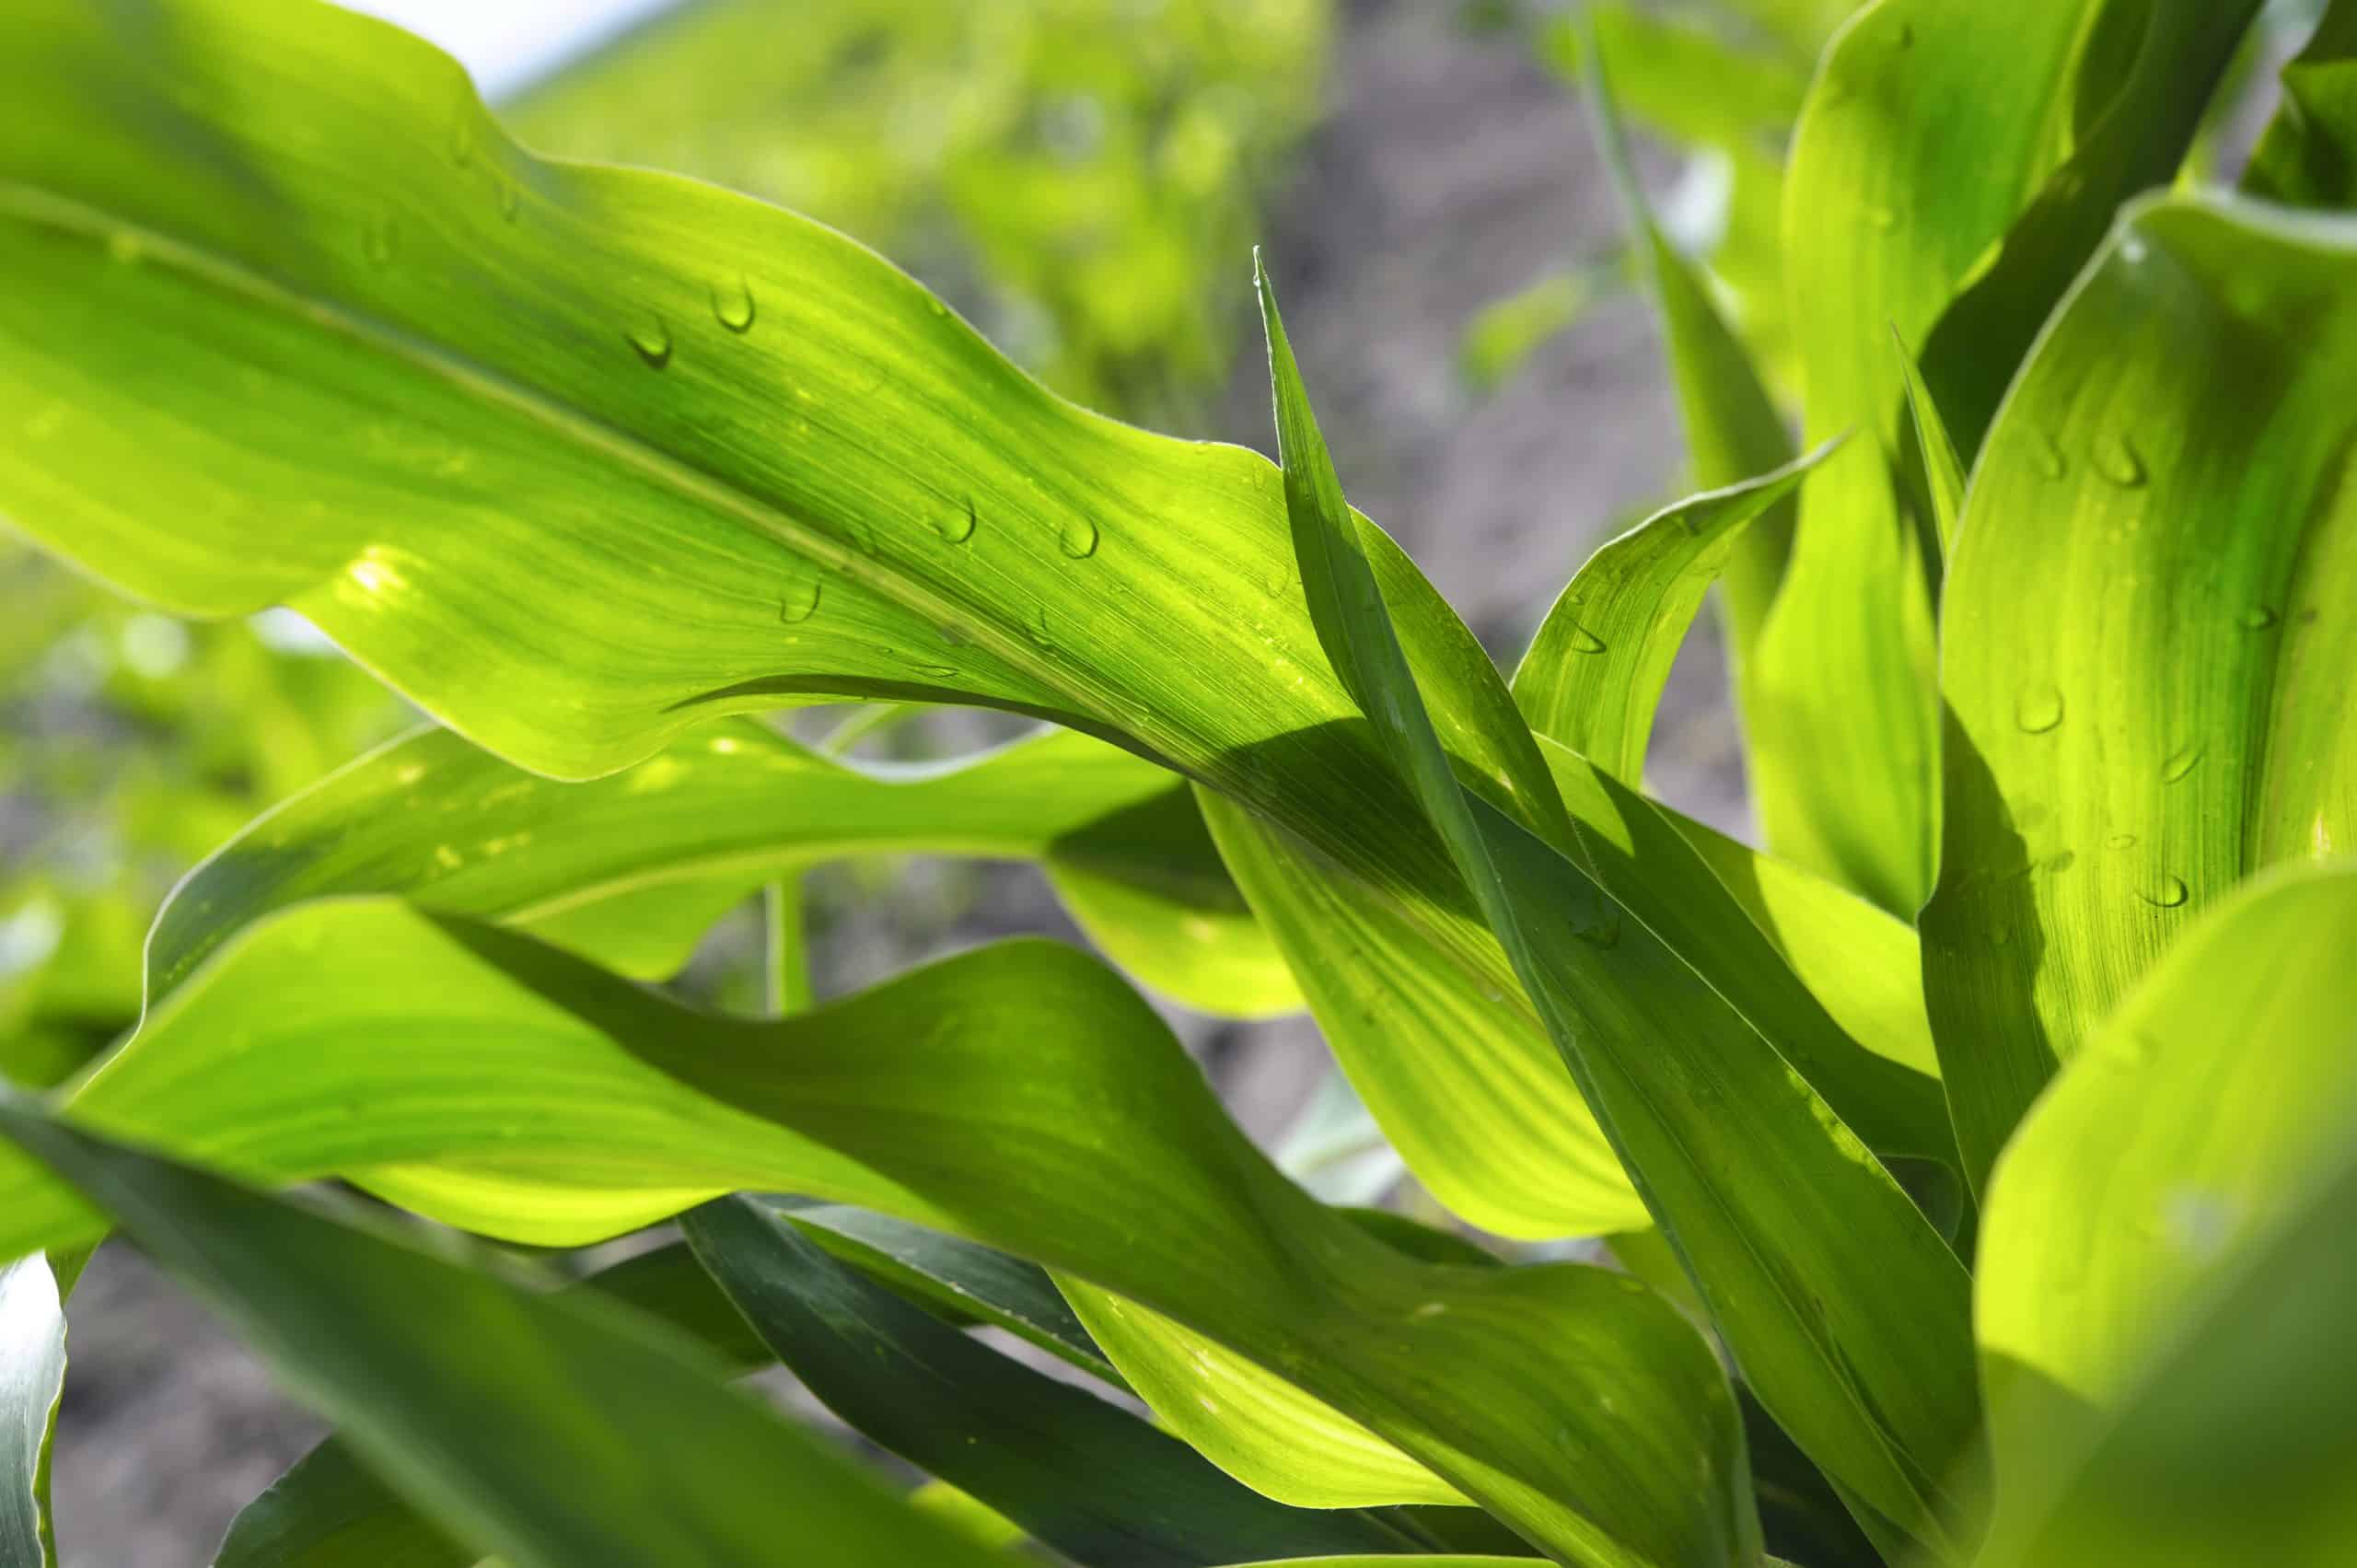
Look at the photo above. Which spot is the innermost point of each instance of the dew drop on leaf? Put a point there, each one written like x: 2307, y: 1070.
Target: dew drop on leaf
x: 2181, y: 762
x: 1882, y: 218
x: 2164, y: 893
x: 2120, y: 840
x: 511, y: 200
x: 462, y: 145
x: 1585, y: 641
x: 799, y: 601
x: 2118, y: 461
x: 938, y: 671
x: 2046, y: 457
x: 2037, y: 708
x: 1078, y: 538
x: 2257, y: 618
x: 732, y: 306
x: 1905, y: 37
x: 1036, y: 628
x: 957, y: 524
x: 379, y: 239
x: 651, y: 341
x: 1605, y: 933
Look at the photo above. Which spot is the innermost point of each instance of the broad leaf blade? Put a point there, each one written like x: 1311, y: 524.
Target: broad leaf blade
x: 2150, y: 1166
x: 1926, y: 132
x: 2177, y: 453
x: 508, y: 1430
x: 2189, y: 1197
x: 1021, y: 1096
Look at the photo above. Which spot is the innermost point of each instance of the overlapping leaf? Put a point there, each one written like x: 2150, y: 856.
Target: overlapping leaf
x: 1927, y: 131
x: 2194, y: 1157
x: 1873, y: 1394
x: 2308, y: 155
x: 2147, y: 634
x: 1022, y: 1095
x: 998, y: 1431
x: 507, y: 1430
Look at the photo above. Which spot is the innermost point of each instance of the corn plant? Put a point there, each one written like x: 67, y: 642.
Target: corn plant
x: 1979, y: 1157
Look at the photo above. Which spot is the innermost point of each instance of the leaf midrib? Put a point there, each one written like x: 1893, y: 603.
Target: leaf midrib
x: 38, y: 205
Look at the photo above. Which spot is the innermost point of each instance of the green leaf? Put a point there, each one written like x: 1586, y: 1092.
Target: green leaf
x: 330, y: 1509
x: 1595, y: 669
x: 32, y: 1374
x: 1438, y: 1038
x: 1733, y: 430
x: 1882, y: 1397
x: 1020, y: 1096
x: 2164, y: 1149
x: 510, y: 1430
x: 2308, y: 155
x: 956, y: 1279
x: 1943, y: 468
x: 2189, y: 1197
x: 2177, y: 453
x: 2135, y: 143
x: 1080, y: 1476
x: 630, y: 870
x: 1926, y: 132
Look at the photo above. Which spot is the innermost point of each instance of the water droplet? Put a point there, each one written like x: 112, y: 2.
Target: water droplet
x: 799, y: 601
x: 2120, y: 840
x: 956, y: 636
x: 1905, y: 37
x: 462, y: 145
x: 2046, y: 457
x: 2060, y: 863
x: 1585, y: 641
x: 2118, y: 461
x: 2257, y: 618
x: 959, y: 523
x: 938, y: 671
x: 1078, y: 538
x: 1605, y: 933
x: 125, y: 247
x: 2037, y: 709
x: 380, y: 239
x: 733, y: 307
x: 511, y: 200
x: 1882, y: 218
x: 1036, y: 628
x: 652, y: 341
x: 2132, y: 249
x: 2165, y: 893
x: 2181, y: 762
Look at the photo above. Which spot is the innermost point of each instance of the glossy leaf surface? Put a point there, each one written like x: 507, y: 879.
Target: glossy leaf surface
x: 2147, y: 633
x: 512, y: 1089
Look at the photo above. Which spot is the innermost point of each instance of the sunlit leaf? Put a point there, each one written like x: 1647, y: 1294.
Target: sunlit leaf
x: 2147, y: 634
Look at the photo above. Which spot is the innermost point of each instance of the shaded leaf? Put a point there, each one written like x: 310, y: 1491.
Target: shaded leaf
x: 509, y: 1430
x: 1090, y: 1481
x: 2308, y: 155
